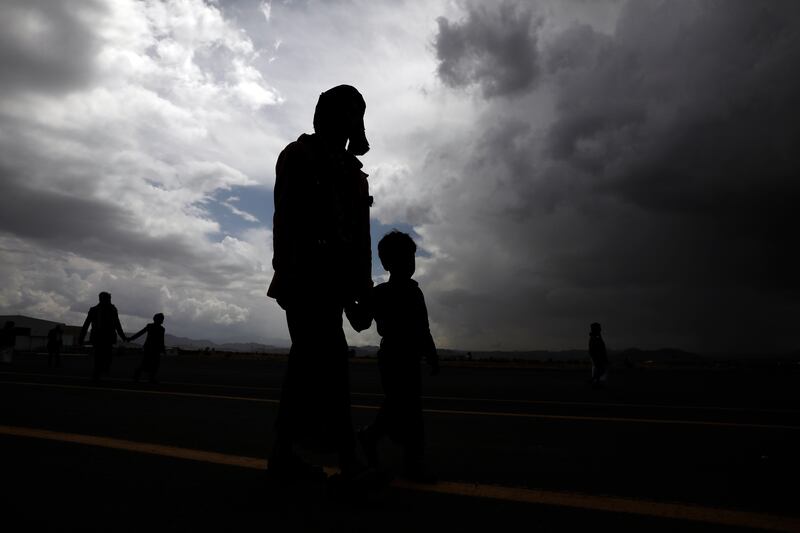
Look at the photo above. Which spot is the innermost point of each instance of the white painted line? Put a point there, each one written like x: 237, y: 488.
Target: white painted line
x: 535, y: 416
x: 456, y: 398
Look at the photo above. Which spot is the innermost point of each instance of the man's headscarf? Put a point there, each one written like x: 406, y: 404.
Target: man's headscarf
x: 341, y: 111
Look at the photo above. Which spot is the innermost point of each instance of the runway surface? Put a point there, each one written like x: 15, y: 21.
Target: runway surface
x: 659, y: 449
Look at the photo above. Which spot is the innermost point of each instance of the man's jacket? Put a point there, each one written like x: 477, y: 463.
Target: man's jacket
x: 104, y: 320
x: 320, y: 229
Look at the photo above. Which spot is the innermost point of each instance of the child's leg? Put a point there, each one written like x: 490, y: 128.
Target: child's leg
x: 416, y: 468
x: 413, y: 437
x: 370, y: 436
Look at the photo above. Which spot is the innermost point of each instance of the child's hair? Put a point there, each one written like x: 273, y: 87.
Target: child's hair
x: 158, y: 317
x: 394, y: 245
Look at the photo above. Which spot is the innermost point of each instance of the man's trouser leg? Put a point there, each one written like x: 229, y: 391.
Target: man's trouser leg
x: 316, y: 389
x: 102, y: 359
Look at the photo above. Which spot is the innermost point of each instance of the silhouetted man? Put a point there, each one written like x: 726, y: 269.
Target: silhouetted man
x: 597, y: 352
x: 322, y: 261
x: 104, y: 320
x: 8, y: 339
x: 55, y: 341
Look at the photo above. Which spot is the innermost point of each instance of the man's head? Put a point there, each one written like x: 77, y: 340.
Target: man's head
x: 158, y: 318
x: 396, y: 251
x: 340, y: 115
x: 104, y: 297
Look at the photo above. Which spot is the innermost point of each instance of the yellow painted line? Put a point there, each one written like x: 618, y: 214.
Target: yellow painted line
x: 535, y: 416
x: 695, y: 513
x: 679, y: 511
x: 454, y: 398
x: 133, y: 446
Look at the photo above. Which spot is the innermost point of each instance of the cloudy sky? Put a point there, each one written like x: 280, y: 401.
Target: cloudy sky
x: 559, y: 162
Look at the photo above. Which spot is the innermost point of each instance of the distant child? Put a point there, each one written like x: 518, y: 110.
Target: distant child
x: 597, y: 351
x: 153, y: 348
x: 398, y: 307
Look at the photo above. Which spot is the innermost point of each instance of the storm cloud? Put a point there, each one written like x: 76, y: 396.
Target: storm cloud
x: 494, y: 48
x: 657, y: 199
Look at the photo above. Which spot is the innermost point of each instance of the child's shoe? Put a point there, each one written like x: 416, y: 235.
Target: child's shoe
x: 369, y: 444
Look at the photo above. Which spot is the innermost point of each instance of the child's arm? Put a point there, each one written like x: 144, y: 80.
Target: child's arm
x: 137, y: 335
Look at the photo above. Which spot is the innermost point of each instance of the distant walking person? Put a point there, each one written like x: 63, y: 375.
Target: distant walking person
x: 153, y: 348
x: 322, y: 261
x: 8, y: 338
x: 597, y: 352
x: 104, y: 320
x: 55, y: 341
x: 402, y: 319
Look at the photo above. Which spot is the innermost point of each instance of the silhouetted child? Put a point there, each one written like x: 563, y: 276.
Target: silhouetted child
x: 153, y: 348
x: 597, y: 351
x: 398, y: 307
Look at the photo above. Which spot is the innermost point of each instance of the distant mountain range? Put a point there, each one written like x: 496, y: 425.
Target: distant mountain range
x: 632, y: 355
x: 172, y: 341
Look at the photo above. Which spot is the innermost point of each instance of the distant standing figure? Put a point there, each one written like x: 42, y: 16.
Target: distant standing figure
x: 597, y: 351
x: 55, y: 341
x: 402, y: 320
x: 104, y: 320
x: 8, y: 338
x: 153, y: 348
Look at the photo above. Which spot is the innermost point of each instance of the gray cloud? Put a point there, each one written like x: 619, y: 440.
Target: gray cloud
x: 47, y: 46
x: 91, y: 228
x: 492, y: 48
x: 659, y: 196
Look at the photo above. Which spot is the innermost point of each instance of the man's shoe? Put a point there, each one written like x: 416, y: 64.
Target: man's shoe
x: 356, y: 483
x: 293, y: 468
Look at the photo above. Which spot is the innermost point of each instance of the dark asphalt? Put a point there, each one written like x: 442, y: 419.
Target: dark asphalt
x: 653, y: 434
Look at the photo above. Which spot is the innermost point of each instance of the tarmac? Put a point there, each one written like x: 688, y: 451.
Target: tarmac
x: 695, y: 449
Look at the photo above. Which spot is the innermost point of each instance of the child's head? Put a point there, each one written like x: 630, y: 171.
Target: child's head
x: 158, y: 318
x: 396, y: 251
x: 594, y: 328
